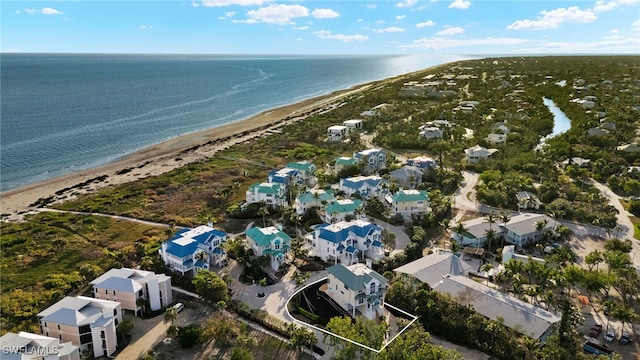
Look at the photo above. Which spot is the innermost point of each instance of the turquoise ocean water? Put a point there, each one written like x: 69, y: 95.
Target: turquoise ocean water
x: 62, y: 113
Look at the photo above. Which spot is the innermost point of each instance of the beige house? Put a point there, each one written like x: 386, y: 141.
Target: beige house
x: 86, y: 322
x: 357, y: 288
x: 476, y: 153
x: 28, y: 346
x: 408, y: 202
x: 128, y: 285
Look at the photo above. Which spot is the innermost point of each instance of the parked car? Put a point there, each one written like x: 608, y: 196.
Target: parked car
x: 625, y: 339
x: 179, y: 307
x: 610, y: 336
x: 595, y: 330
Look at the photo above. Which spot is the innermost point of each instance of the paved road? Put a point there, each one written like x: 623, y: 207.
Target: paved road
x: 626, y: 231
x: 465, y: 196
x: 402, y: 239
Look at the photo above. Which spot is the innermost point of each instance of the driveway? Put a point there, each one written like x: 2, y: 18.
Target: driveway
x: 465, y: 197
x: 402, y: 239
x: 144, y: 336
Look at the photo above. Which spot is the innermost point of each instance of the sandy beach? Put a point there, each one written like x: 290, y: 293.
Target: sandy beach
x: 165, y: 156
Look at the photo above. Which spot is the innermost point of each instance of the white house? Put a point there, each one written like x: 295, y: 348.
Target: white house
x: 528, y: 200
x: 273, y: 194
x: 422, y: 162
x: 365, y: 186
x: 341, y: 163
x: 313, y: 198
x: 271, y: 242
x: 338, y: 210
x: 337, y: 132
x: 520, y: 230
x: 431, y: 133
x: 306, y: 170
x: 26, y: 346
x: 496, y: 139
x: 373, y: 159
x: 477, y: 153
x: 285, y: 177
x: 409, y: 202
x: 191, y: 250
x: 356, y: 288
x: 126, y: 286
x: 86, y: 322
x: 408, y: 176
x: 347, y: 242
x: 353, y: 124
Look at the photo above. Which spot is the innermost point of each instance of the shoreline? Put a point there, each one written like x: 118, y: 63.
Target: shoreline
x: 168, y: 155
x: 174, y: 153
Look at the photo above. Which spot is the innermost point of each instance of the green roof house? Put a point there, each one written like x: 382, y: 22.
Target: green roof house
x: 307, y: 170
x: 408, y: 202
x: 313, y: 198
x: 336, y: 210
x: 273, y: 194
x: 269, y: 241
x: 357, y: 288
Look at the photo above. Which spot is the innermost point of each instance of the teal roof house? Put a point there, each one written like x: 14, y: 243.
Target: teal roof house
x: 409, y: 202
x: 307, y: 171
x: 357, y: 289
x: 273, y: 194
x: 338, y: 210
x: 269, y: 241
x: 313, y: 198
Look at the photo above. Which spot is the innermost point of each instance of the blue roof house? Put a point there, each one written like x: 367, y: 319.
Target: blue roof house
x: 365, y: 186
x: 346, y: 242
x: 372, y: 159
x: 286, y: 176
x: 306, y: 169
x: 269, y: 241
x: 182, y: 252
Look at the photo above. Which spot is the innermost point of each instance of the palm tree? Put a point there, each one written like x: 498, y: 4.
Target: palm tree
x: 170, y: 314
x: 505, y: 218
x: 460, y: 230
x: 486, y: 268
x: 491, y: 237
x: 263, y: 211
x: 540, y: 225
x: 201, y: 256
x: 529, y: 346
x: 491, y: 219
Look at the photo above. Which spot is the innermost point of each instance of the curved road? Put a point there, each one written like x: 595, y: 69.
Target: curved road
x: 465, y: 197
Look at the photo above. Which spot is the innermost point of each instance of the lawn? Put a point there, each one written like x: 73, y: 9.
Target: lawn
x: 635, y: 220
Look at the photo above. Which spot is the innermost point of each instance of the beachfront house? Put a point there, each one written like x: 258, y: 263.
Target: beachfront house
x: 353, y: 124
x: 86, y: 322
x: 191, y: 250
x: 422, y: 162
x: 286, y: 177
x: 340, y: 210
x: 346, y: 242
x: 24, y: 346
x: 409, y: 202
x: 357, y: 289
x: 337, y: 133
x: 364, y: 186
x: 448, y: 274
x: 477, y: 153
x: 407, y: 176
x: 271, y: 242
x: 430, y: 133
x: 371, y: 160
x: 273, y: 194
x: 313, y: 198
x: 127, y: 286
x: 306, y: 170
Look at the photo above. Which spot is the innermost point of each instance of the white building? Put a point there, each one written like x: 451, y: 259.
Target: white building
x: 528, y: 200
x: 126, y: 286
x: 191, y: 250
x: 365, y: 186
x: 313, y: 198
x: 86, y: 322
x: 431, y: 133
x: 521, y: 229
x: 476, y: 153
x: 271, y: 242
x: 273, y: 194
x: 337, y: 132
x: 357, y: 289
x: 353, y: 124
x: 496, y: 139
x: 28, y: 346
x: 347, y: 242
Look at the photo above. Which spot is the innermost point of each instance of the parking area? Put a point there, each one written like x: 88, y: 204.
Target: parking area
x: 629, y: 351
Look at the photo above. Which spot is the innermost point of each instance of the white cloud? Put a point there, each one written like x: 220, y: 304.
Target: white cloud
x: 371, y: 6
x: 406, y: 3
x: 602, y: 6
x: 278, y: 14
x: 400, y: 17
x: 380, y: 22
x: 425, y: 24
x: 44, y: 11
x: 388, y: 30
x: 145, y: 27
x: 636, y: 23
x: 460, y: 4
x: 450, y: 31
x: 614, y: 31
x: 217, y: 3
x: 554, y: 18
x: 360, y: 20
x: 441, y: 43
x: 301, y: 28
x: 247, y: 21
x: 229, y: 14
x: 324, y: 34
x: 324, y: 13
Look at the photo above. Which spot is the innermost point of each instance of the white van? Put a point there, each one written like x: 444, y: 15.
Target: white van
x: 178, y: 307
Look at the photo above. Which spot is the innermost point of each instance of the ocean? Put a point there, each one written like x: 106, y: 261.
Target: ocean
x: 62, y: 113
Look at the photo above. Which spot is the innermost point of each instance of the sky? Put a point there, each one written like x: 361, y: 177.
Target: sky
x: 465, y: 27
